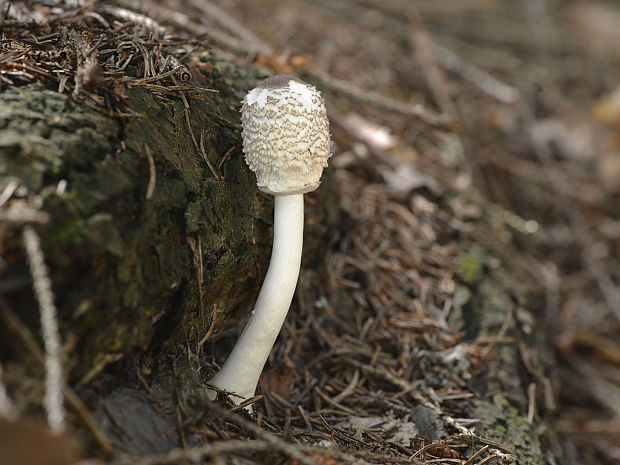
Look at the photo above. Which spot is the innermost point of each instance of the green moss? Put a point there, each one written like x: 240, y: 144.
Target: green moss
x: 69, y: 234
x: 470, y: 268
x: 504, y: 424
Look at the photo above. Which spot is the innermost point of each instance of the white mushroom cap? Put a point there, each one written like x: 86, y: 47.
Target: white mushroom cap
x: 285, y: 135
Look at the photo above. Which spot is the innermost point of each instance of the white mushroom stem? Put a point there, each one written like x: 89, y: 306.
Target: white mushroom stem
x: 242, y: 369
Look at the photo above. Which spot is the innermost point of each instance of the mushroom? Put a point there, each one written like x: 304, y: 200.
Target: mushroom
x: 286, y: 144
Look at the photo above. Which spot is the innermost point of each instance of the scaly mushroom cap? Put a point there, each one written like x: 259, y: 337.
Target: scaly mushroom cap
x: 285, y: 135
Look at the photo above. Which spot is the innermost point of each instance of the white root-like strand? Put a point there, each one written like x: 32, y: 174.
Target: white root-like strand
x: 54, y: 400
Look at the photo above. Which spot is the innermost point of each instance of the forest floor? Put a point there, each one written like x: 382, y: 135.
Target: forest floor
x: 477, y: 151
x: 527, y: 163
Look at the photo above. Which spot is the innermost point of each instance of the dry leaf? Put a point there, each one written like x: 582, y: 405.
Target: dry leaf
x: 26, y: 443
x: 320, y: 459
x: 278, y: 379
